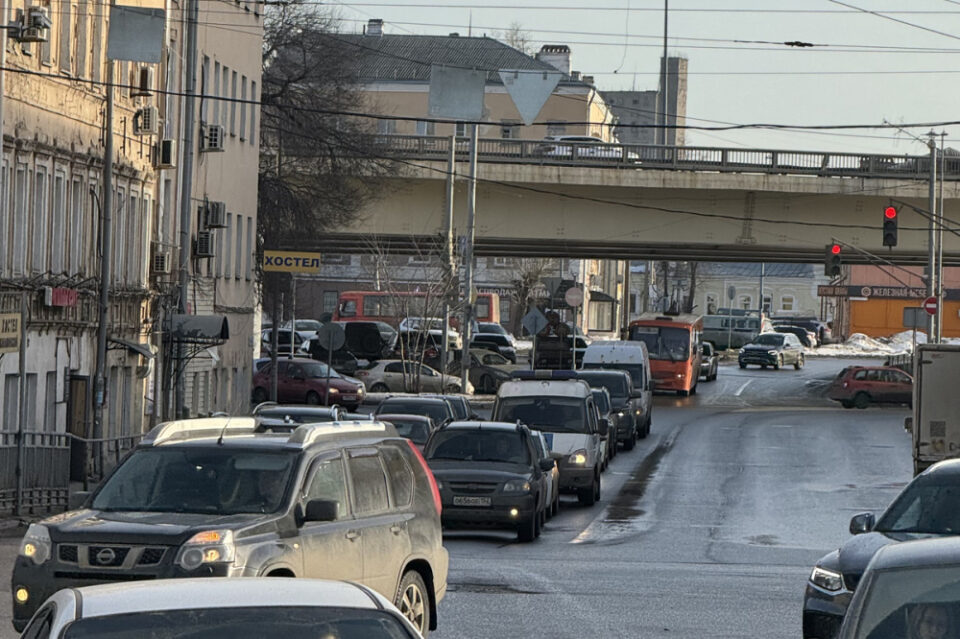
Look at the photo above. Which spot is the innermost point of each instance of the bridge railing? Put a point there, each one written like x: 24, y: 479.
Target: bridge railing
x: 686, y: 158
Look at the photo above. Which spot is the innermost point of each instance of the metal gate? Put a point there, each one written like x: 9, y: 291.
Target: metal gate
x: 45, y: 482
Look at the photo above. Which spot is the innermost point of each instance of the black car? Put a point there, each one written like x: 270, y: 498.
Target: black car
x: 626, y: 407
x: 802, y: 334
x: 926, y: 507
x: 490, y: 475
x: 416, y: 428
x: 369, y: 340
x: 461, y: 406
x: 495, y: 342
x: 214, y: 498
x: 772, y: 349
x: 821, y: 328
x: 436, y: 408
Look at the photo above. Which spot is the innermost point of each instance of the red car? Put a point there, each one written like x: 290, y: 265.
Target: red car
x: 860, y: 386
x: 302, y: 380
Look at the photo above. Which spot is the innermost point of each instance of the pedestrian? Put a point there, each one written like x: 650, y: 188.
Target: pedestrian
x: 929, y: 621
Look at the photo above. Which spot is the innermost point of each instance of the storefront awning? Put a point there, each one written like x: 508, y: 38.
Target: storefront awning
x: 133, y: 347
x: 199, y: 329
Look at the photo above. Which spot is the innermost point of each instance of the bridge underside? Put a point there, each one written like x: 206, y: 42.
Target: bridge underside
x: 533, y: 211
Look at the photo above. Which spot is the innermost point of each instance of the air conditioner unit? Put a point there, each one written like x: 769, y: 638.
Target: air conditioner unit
x: 165, y: 154
x: 34, y: 27
x: 204, y: 245
x: 159, y: 259
x: 216, y: 215
x: 212, y: 138
x: 146, y: 121
x: 142, y: 82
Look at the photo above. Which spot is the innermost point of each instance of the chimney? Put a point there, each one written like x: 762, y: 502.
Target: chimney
x: 557, y: 56
x: 588, y: 79
x: 374, y: 27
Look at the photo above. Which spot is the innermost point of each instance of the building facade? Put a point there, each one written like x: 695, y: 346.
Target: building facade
x: 638, y: 111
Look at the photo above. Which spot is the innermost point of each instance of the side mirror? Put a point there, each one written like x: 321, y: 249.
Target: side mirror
x: 650, y: 385
x: 862, y: 523
x: 603, y: 427
x: 547, y: 464
x: 321, y: 510
x: 78, y: 499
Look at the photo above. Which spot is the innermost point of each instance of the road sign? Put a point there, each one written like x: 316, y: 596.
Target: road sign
x: 731, y: 292
x: 574, y: 296
x: 331, y: 336
x: 930, y: 305
x: 529, y: 90
x: 456, y: 93
x: 914, y: 317
x: 10, y: 332
x: 534, y: 321
x: 291, y: 261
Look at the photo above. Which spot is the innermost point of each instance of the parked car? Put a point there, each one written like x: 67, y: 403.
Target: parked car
x: 860, y: 386
x: 494, y: 342
x: 807, y: 337
x: 304, y: 381
x: 213, y: 498
x: 487, y: 370
x: 601, y: 399
x: 273, y: 416
x: 306, y: 327
x: 462, y: 410
x: 213, y: 608
x: 926, y: 507
x: 908, y: 590
x: 553, y: 483
x: 397, y: 376
x: 432, y: 325
x: 630, y: 409
x: 490, y: 475
x: 283, y: 341
x: 495, y: 328
x: 709, y: 362
x: 772, y: 349
x: 821, y: 328
x: 584, y: 146
x: 416, y: 428
x: 369, y: 340
x: 436, y: 408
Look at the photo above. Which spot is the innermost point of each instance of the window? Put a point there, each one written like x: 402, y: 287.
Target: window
x: 11, y: 402
x: 96, y: 55
x: 119, y: 224
x: 204, y: 82
x: 40, y: 218
x: 460, y: 129
x: 369, y: 482
x: 330, y: 299
x: 508, y: 129
x: 131, y: 241
x: 418, y: 260
x: 4, y: 214
x: 386, y: 127
x: 426, y: 128
x: 233, y: 104
x: 46, y: 48
x: 712, y: 304
x: 50, y: 403
x: 228, y: 245
x: 80, y: 41
x: 238, y: 264
x: 215, y: 91
x: 786, y: 302
x: 249, y: 248
x: 334, y: 258
x: 20, y: 203
x: 58, y: 225
x: 401, y: 477
x: 224, y: 92
x: 393, y: 367
x: 328, y: 482
x: 767, y: 303
x: 76, y: 226
x: 243, y: 108
x: 746, y: 302
x: 253, y: 112
x: 66, y: 26
x: 501, y: 262
x: 556, y: 128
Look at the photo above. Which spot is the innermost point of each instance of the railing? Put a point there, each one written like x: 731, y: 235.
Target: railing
x: 685, y: 158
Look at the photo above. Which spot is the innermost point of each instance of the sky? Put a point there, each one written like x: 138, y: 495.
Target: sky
x: 874, y: 68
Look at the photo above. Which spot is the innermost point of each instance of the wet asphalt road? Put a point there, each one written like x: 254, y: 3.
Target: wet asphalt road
x: 707, y: 529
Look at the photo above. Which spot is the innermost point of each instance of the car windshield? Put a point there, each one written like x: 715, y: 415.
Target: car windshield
x: 547, y: 414
x: 600, y: 399
x: 663, y: 342
x: 251, y: 622
x: 315, y: 370
x: 926, y: 505
x: 768, y: 339
x: 478, y: 445
x: 439, y: 411
x: 615, y: 384
x: 216, y: 480
x: 416, y: 430
x: 898, y: 603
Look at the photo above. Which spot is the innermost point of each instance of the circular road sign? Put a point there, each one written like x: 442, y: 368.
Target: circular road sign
x: 930, y: 305
x: 573, y: 296
x: 331, y: 336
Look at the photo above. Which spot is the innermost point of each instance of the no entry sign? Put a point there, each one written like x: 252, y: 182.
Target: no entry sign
x: 930, y: 305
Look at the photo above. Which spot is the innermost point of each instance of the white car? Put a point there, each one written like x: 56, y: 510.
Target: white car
x: 585, y: 146
x: 211, y: 608
x: 553, y: 483
x: 387, y: 376
x: 432, y: 326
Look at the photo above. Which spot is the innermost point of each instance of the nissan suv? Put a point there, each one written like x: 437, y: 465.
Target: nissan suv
x: 216, y: 497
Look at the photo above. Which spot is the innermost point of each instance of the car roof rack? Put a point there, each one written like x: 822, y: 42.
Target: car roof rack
x: 263, y: 405
x: 307, y: 434
x: 184, y: 429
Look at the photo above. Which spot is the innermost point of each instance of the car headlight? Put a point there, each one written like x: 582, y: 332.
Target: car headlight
x: 740, y: 351
x: 516, y: 486
x: 826, y: 579
x: 771, y: 352
x: 36, y: 544
x: 578, y: 457
x: 207, y: 547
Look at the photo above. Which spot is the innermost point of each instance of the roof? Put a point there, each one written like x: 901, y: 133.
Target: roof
x: 918, y: 554
x: 465, y: 425
x: 577, y: 388
x: 224, y: 592
x: 436, y: 399
x: 408, y: 58
x: 752, y: 269
x: 386, y: 417
x: 945, y: 467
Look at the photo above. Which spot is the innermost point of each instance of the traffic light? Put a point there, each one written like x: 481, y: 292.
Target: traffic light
x: 831, y: 261
x: 890, y: 226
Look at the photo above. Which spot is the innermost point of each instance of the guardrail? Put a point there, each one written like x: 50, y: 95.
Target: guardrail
x: 681, y: 158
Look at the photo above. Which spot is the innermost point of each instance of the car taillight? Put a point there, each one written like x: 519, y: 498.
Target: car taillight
x: 433, y: 481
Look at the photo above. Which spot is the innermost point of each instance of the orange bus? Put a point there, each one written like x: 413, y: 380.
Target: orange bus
x: 391, y: 307
x: 673, y: 342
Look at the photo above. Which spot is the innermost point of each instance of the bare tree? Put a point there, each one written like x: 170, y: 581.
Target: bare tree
x: 516, y: 37
x: 525, y: 280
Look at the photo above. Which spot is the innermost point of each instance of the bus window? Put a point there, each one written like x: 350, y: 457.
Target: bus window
x: 348, y: 308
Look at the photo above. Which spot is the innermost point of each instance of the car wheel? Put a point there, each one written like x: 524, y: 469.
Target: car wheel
x: 541, y: 520
x: 313, y: 398
x: 628, y: 444
x: 778, y: 363
x: 683, y: 393
x: 413, y: 601
x: 693, y: 390
x: 742, y: 365
x: 379, y: 387
x: 799, y: 363
x: 527, y: 531
x: 556, y: 502
x: 588, y: 496
x: 846, y: 403
x: 861, y: 400
x: 259, y: 395
x: 486, y: 385
x: 645, y: 431
x: 596, y: 489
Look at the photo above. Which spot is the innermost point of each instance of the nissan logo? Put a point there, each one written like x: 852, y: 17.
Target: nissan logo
x: 106, y: 556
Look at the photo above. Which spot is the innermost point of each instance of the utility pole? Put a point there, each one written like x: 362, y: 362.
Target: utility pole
x: 932, y: 239
x: 763, y: 272
x: 663, y: 78
x: 468, y: 261
x: 940, y: 222
x: 448, y: 256
x: 106, y: 260
x: 186, y: 187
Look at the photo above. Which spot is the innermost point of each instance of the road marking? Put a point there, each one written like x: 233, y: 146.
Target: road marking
x: 740, y: 390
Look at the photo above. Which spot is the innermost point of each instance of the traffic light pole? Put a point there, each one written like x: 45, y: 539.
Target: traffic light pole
x: 932, y: 239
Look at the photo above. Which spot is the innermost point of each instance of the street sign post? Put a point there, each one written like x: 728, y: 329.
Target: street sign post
x: 332, y: 337
x: 534, y: 321
x: 574, y: 298
x: 930, y: 305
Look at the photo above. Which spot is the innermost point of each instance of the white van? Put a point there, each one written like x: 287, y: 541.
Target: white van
x: 561, y: 407
x: 632, y: 357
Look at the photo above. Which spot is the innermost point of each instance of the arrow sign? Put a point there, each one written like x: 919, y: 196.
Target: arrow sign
x: 930, y: 305
x: 529, y: 90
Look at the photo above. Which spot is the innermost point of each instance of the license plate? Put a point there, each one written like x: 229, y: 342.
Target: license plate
x: 348, y: 397
x: 471, y: 501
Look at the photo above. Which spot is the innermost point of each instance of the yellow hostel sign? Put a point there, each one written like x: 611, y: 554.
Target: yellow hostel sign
x: 291, y: 262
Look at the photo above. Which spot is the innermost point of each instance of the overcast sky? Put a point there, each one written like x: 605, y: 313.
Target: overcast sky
x: 873, y: 70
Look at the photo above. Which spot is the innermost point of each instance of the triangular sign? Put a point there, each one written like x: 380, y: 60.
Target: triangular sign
x: 529, y: 90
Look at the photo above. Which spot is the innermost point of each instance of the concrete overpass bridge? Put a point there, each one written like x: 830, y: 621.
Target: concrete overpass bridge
x: 652, y: 202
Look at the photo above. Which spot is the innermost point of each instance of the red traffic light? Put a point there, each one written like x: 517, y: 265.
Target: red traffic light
x: 890, y: 212
x: 835, y: 249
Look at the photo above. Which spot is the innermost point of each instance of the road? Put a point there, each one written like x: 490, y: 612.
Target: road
x: 707, y: 529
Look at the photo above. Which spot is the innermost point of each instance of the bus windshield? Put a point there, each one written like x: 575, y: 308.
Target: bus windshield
x: 664, y: 342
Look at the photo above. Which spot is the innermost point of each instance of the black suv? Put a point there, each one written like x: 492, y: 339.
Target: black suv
x: 626, y: 407
x: 213, y: 497
x: 490, y: 475
x: 435, y: 407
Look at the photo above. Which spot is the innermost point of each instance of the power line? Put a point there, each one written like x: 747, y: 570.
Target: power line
x: 886, y: 16
x: 619, y: 9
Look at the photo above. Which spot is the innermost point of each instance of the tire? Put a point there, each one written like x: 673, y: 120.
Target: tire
x: 861, y: 400
x: 314, y: 399
x: 259, y: 395
x: 779, y: 363
x: 379, y: 387
x: 487, y: 385
x: 527, y: 530
x: 555, y: 508
x: 693, y: 390
x: 413, y: 600
x: 846, y: 403
x: 541, y: 520
x: 596, y: 492
x: 630, y: 443
x: 742, y: 365
x: 683, y: 393
x: 799, y: 364
x: 646, y: 430
x: 588, y: 496
x: 763, y: 366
